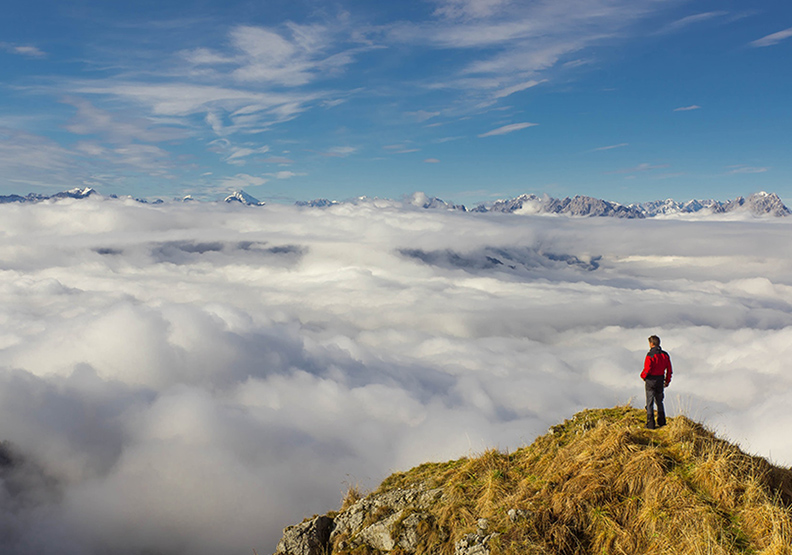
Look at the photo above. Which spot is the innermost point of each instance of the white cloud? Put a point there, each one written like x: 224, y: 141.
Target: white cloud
x: 687, y: 108
x: 508, y: 44
x: 91, y: 120
x: 242, y: 180
x: 278, y: 160
x: 422, y: 115
x: 469, y: 8
x: 340, y: 151
x: 285, y: 174
x: 517, y: 88
x: 746, y: 169
x: 236, y: 155
x: 609, y: 147
x: 23, y: 50
x: 773, y: 38
x: 400, y: 149
x: 156, y: 357
x: 184, y: 99
x: 291, y: 56
x: 35, y: 162
x: 507, y: 129
x: 432, y: 161
x: 691, y: 20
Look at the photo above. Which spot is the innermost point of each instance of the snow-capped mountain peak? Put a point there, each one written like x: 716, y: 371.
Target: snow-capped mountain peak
x: 244, y: 198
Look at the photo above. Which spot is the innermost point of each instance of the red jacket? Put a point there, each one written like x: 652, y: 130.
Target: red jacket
x: 657, y: 363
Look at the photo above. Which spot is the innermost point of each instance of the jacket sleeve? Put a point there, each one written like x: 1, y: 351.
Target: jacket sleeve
x: 647, y: 365
x: 668, y: 371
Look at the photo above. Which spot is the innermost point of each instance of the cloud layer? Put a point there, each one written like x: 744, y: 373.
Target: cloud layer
x: 193, y: 378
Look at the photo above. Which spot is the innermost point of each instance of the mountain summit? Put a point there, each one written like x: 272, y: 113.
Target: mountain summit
x: 244, y: 198
x: 597, y: 483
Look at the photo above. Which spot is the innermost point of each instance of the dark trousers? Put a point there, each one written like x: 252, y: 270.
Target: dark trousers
x: 654, y: 396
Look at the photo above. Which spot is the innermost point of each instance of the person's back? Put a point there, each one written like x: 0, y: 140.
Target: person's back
x: 656, y: 376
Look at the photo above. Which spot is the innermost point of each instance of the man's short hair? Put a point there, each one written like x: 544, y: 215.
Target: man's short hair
x: 654, y: 340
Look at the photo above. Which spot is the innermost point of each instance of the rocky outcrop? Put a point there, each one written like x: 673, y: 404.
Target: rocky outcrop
x: 385, y: 521
x: 396, y: 519
x: 593, y: 484
x: 475, y: 544
x: 307, y: 538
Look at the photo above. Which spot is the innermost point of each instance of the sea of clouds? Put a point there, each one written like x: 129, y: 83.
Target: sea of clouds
x: 191, y: 378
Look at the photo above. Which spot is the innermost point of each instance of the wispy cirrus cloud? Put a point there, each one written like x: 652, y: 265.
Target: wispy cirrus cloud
x: 422, y: 115
x: 286, y: 174
x: 26, y: 50
x: 339, y: 151
x: 511, y: 128
x: 687, y: 21
x: 401, y: 148
x: 292, y: 56
x: 772, y: 39
x: 687, y: 108
x: 740, y: 169
x: 185, y: 99
x: 469, y: 9
x: 92, y: 120
x: 31, y: 160
x: 236, y: 155
x: 257, y: 80
x: 278, y: 160
x: 517, y: 43
x: 37, y: 163
x: 242, y: 180
x: 609, y: 147
x: 508, y: 91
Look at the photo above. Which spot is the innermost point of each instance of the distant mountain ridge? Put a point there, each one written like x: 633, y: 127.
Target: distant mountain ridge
x: 76, y: 193
x: 756, y: 204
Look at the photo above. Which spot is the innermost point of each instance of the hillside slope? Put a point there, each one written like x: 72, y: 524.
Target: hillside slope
x: 598, y: 483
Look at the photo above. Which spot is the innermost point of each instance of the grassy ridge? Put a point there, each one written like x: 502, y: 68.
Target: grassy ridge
x: 601, y: 483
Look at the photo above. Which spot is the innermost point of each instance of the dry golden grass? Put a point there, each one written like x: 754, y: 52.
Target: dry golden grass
x: 602, y: 484
x: 351, y: 497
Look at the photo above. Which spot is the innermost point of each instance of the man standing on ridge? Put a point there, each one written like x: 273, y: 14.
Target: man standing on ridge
x: 656, y: 376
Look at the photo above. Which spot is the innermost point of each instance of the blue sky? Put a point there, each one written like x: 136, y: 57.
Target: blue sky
x: 469, y: 100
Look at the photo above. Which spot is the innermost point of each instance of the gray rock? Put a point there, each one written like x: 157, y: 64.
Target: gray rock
x: 307, y: 538
x: 409, y: 537
x: 378, y: 535
x: 385, y: 521
x: 517, y: 514
x: 473, y: 544
x: 351, y: 520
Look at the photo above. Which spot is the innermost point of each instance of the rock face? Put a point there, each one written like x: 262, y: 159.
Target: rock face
x: 386, y: 521
x: 307, y: 538
x: 392, y: 520
x: 760, y: 204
